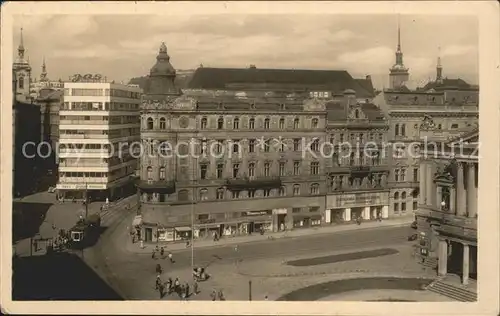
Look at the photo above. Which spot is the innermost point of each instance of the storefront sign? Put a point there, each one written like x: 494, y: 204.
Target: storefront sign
x: 280, y: 211
x: 257, y: 213
x: 96, y: 186
x: 71, y: 186
x: 353, y: 200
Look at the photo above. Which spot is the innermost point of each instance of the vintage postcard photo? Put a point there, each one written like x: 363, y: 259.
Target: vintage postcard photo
x: 250, y: 158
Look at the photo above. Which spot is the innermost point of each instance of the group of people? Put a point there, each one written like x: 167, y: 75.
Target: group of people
x: 162, y: 254
x: 184, y: 291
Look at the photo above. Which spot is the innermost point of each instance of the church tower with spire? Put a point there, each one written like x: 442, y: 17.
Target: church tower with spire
x: 399, y: 74
x: 21, y: 70
x: 43, y: 74
x: 439, y: 69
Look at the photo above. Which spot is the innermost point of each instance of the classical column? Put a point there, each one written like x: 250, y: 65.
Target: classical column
x: 366, y: 213
x: 461, y: 196
x: 452, y: 206
x: 385, y: 211
x: 471, y: 190
x: 443, y: 258
x: 465, y: 267
x: 429, y: 184
x: 421, y: 184
x: 347, y: 214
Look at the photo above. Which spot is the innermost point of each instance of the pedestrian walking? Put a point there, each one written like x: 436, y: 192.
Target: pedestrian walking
x: 157, y: 283
x: 213, y: 295
x: 170, y: 257
x: 162, y: 252
x: 177, y: 284
x: 183, y: 293
x: 195, y: 288
x: 156, y: 248
x: 186, y: 287
x: 221, y: 295
x: 153, y: 255
x: 158, y: 269
x: 161, y: 289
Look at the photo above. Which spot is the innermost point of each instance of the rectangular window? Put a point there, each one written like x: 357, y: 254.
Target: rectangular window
x: 220, y: 171
x: 396, y: 207
x: 403, y: 207
x: 415, y: 174
x: 282, y: 168
x: 296, y: 144
x: 415, y: 205
x: 267, y: 192
x: 296, y: 168
x: 236, y: 146
x: 251, y: 145
x: 314, y: 167
x: 251, y: 169
x: 267, y: 145
x: 236, y: 169
x: 236, y: 194
x: 251, y: 193
x: 267, y: 167
x: 251, y: 123
x: 296, y: 210
x: 313, y: 209
x: 203, y: 171
x: 315, y: 145
x: 403, y: 175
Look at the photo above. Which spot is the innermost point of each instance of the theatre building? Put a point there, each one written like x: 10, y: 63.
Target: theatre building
x: 357, y: 169
x: 447, y: 214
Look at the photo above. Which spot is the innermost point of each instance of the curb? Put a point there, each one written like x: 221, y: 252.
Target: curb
x: 301, y: 274
x: 314, y: 233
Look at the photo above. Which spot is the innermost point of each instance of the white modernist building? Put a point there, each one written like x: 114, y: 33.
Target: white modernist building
x: 97, y: 123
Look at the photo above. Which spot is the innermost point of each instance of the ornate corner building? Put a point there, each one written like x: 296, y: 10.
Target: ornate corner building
x: 245, y: 150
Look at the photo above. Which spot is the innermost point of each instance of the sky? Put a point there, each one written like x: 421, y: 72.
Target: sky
x: 124, y: 46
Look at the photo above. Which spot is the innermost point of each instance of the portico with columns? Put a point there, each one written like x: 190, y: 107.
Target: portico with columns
x: 447, y: 215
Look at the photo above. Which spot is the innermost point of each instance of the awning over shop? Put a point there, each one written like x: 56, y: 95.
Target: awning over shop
x: 183, y: 229
x: 137, y: 221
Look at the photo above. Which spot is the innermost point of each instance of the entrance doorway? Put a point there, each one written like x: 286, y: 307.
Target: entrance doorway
x: 281, y: 222
x: 148, y: 234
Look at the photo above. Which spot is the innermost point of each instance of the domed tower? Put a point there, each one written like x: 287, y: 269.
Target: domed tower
x: 162, y: 76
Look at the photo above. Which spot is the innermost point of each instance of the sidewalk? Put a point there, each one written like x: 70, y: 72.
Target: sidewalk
x: 64, y: 216
x: 224, y: 241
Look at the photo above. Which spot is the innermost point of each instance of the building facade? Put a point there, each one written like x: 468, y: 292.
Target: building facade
x: 357, y: 169
x: 256, y: 163
x: 36, y: 86
x: 447, y: 214
x: 22, y: 73
x: 98, y: 123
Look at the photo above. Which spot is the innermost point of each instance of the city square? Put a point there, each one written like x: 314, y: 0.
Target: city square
x: 232, y: 181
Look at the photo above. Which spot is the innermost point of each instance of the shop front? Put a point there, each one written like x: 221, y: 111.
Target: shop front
x: 306, y: 220
x: 342, y: 208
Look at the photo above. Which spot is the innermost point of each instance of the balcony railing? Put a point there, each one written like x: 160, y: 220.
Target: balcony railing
x: 253, y: 183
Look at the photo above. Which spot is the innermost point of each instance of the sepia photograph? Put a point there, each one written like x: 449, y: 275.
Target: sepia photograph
x: 285, y: 158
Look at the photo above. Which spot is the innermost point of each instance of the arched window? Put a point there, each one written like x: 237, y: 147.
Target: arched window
x: 163, y: 123
x: 220, y: 123
x: 150, y: 173
x: 296, y: 189
x: 403, y: 195
x: 21, y: 82
x: 267, y: 123
x: 203, y: 194
x: 204, y: 122
x: 162, y: 173
x: 296, y: 123
x: 236, y: 123
x: 396, y: 130
x: 183, y: 195
x: 314, y: 123
x: 150, y: 123
x: 396, y: 195
x: 282, y: 191
x: 314, y: 189
x: 220, y: 194
x: 403, y: 129
x: 251, y: 123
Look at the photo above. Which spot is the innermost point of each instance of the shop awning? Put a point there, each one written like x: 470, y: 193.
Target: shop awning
x: 137, y: 221
x: 183, y: 229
